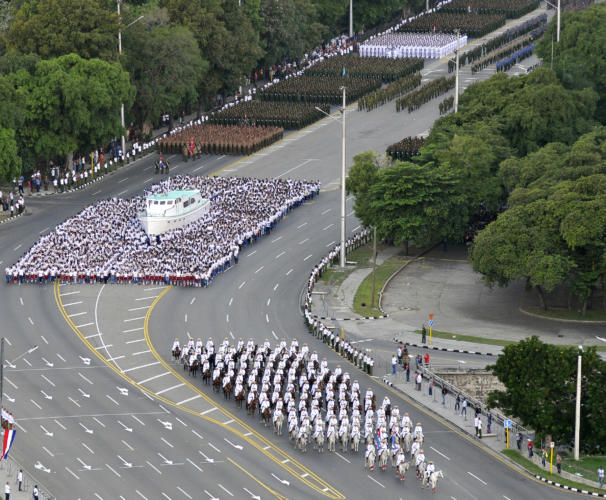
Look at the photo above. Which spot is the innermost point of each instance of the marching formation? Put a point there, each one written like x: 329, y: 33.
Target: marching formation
x: 105, y: 242
x: 398, y: 45
x: 290, y: 384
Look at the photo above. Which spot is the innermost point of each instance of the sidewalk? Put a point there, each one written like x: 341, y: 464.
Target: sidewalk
x: 8, y: 472
x: 495, y: 441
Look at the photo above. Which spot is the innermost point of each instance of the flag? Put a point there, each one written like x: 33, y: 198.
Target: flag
x: 343, y: 74
x: 379, y: 440
x: 9, y: 437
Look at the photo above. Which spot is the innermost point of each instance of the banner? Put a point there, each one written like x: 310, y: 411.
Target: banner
x: 9, y: 437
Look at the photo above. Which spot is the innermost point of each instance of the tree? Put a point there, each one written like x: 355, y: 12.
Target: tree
x: 10, y: 162
x: 540, y: 390
x: 579, y: 56
x: 73, y: 104
x: 52, y: 28
x: 166, y: 67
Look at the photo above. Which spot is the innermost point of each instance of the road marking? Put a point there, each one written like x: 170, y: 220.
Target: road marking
x: 128, y: 445
x: 110, y: 468
x: 439, y: 453
x: 85, y: 324
x: 122, y: 192
x: 227, y: 318
x: 328, y: 227
x: 69, y: 470
x: 70, y: 303
x: 139, y: 353
x: 232, y: 335
x: 45, y: 229
x: 350, y: 213
x: 59, y: 424
x: 104, y: 346
x: 214, y: 447
x: 132, y: 319
x: 166, y: 442
x: 170, y: 388
x: 114, y: 358
x: 75, y: 314
x: 154, y: 377
x: 138, y: 308
x: 153, y: 467
x: 506, y: 498
x: 48, y: 451
x: 61, y: 357
x: 274, y: 334
x: 241, y: 285
x: 298, y: 166
x: 230, y: 421
x: 112, y: 400
x: 132, y: 330
x: 370, y: 477
x: 225, y: 490
x: 48, y: 380
x: 341, y: 456
x: 154, y: 288
x: 252, y: 253
x: 290, y: 271
x: 473, y: 475
x: 10, y: 382
x: 268, y: 301
x: 82, y: 376
x: 277, y: 239
x: 189, y: 399
x: 185, y: 318
x: 330, y: 244
x: 208, y: 411
x: 74, y: 401
x: 266, y: 317
x: 141, y: 366
x: 141, y: 494
x: 99, y: 421
x: 304, y: 224
x: 147, y: 298
x: 17, y: 248
x: 122, y: 180
x: 280, y: 255
x: 88, y: 448
x: 259, y: 270
x: 194, y: 464
x: 164, y: 494
x: 303, y: 241
x: 326, y: 211
x: 36, y: 404
x: 308, y: 257
x: 69, y: 293
x: 197, y: 434
x: 276, y: 286
x: 134, y: 341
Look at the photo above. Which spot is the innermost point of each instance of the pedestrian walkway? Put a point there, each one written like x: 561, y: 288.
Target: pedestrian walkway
x: 8, y: 472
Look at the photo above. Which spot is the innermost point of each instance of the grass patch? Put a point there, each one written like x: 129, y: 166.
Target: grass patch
x: 335, y: 276
x: 587, y: 466
x: 590, y: 315
x: 466, y: 338
x: 363, y: 297
x: 539, y: 471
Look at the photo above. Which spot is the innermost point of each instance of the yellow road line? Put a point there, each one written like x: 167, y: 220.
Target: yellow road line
x: 324, y: 488
x: 276, y: 494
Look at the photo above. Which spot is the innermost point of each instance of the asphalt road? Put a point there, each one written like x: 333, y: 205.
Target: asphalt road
x: 103, y: 412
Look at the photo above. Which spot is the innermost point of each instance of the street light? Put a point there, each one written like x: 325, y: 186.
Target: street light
x: 350, y: 18
x: 123, y: 142
x: 456, y: 96
x: 342, y: 261
x: 577, y: 413
x: 559, y: 9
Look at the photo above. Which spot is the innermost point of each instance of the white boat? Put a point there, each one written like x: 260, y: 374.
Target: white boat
x: 172, y: 210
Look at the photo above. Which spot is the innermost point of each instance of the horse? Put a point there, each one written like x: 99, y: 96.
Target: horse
x: 332, y: 442
x: 293, y: 432
x: 421, y: 470
x: 402, y: 468
x: 320, y: 442
x: 383, y: 459
x: 239, y: 397
x: 193, y: 368
x: 278, y: 422
x: 227, y: 388
x: 433, y: 479
x: 266, y: 416
x: 370, y: 459
x: 345, y: 440
x: 217, y: 384
x: 176, y: 353
x: 206, y: 375
x: 407, y: 441
x: 420, y: 439
x: 302, y: 442
x: 355, y: 442
x: 252, y: 406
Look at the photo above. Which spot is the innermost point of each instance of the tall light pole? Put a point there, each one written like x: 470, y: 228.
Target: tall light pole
x: 342, y: 259
x: 577, y: 413
x: 456, y: 99
x: 559, y: 9
x: 350, y: 18
x: 123, y: 143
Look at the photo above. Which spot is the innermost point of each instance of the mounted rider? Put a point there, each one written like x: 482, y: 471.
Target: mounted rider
x: 418, y: 432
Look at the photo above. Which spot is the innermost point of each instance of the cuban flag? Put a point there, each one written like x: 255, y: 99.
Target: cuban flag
x: 9, y: 437
x: 379, y: 439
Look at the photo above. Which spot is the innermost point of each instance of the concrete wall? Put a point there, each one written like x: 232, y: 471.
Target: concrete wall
x: 476, y: 383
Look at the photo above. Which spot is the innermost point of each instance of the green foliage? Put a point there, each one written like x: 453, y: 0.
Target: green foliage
x: 52, y: 28
x: 579, y: 57
x: 10, y: 162
x: 540, y: 390
x: 73, y: 104
x: 166, y: 69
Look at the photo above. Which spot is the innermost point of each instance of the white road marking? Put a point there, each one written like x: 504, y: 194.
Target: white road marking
x: 69, y: 293
x: 112, y: 400
x: 110, y: 468
x: 99, y: 421
x: 326, y: 211
x: 21, y: 300
x: 327, y: 227
x: 88, y: 448
x: 350, y: 213
x: 48, y: 451
x: 114, y: 358
x: 59, y: 424
x: 166, y: 442
x: 61, y: 357
x: 192, y: 300
x: 147, y: 298
x: 276, y: 286
x: 225, y: 490
x: 45, y: 229
x: 11, y: 383
x: 259, y: 270
x: 473, y: 475
x: 277, y: 239
x: 330, y: 244
x: 280, y: 255
x: 17, y: 248
x: 93, y: 336
x: 185, y: 492
x: 154, y: 288
x: 214, y: 447
x: 134, y: 319
x: 69, y: 470
x: 356, y: 228
x: 370, y: 477
x: 169, y: 389
x: 154, y: 377
x: 303, y: 241
x: 141, y: 366
x: 197, y: 434
x: 128, y: 445
x: 194, y: 464
x: 132, y: 330
x: 341, y: 456
x: 122, y: 180
x: 506, y: 498
x: 232, y: 335
x: 139, y: 353
x: 185, y: 318
x: 189, y: 399
x: 241, y: 285
x: 290, y: 271
x: 134, y: 341
x: 208, y: 411
x: 274, y: 334
x: 36, y: 404
x: 48, y: 380
x: 138, y: 308
x: 74, y: 401
x: 308, y: 257
x: 267, y: 318
x: 180, y: 421
x: 268, y: 301
x: 164, y: 494
x: 76, y: 314
x: 252, y: 253
x: 141, y: 494
x: 71, y: 303
x: 153, y: 467
x: 80, y: 376
x: 298, y: 166
x: 138, y: 419
x: 304, y: 224
x: 439, y: 453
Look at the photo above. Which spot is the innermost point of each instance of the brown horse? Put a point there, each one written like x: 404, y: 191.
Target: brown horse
x: 227, y: 390
x: 193, y: 369
x: 252, y: 406
x: 176, y: 353
x: 239, y: 398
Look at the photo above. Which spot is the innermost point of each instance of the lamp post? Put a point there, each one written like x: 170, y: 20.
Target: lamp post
x: 350, y: 18
x: 456, y: 99
x: 577, y: 413
x: 559, y: 10
x: 342, y: 259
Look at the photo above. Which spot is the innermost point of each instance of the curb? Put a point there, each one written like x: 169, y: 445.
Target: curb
x: 10, y: 219
x: 446, y: 349
x: 569, y: 488
x: 383, y: 316
x: 562, y: 320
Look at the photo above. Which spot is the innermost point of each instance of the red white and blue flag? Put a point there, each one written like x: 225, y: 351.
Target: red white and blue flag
x: 9, y: 437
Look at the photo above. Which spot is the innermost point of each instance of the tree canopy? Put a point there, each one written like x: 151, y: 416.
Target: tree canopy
x: 540, y: 390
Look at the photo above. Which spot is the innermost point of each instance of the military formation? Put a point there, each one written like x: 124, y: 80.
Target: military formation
x: 320, y: 89
x: 510, y: 8
x: 473, y: 25
x: 415, y: 99
x: 406, y: 149
x: 382, y: 68
x: 219, y: 139
x: 504, y: 53
x: 446, y: 105
x: 389, y: 92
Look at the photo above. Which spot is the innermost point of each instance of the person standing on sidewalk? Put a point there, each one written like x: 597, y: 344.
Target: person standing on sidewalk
x: 543, y: 456
x: 419, y: 381
x: 7, y: 491
x: 464, y: 407
x: 457, y: 406
x: 530, y: 450
x: 394, y: 364
x: 20, y: 479
x: 475, y: 424
x: 479, y: 427
x: 444, y: 392
x: 601, y: 476
x: 407, y: 368
x: 559, y: 463
x: 35, y: 492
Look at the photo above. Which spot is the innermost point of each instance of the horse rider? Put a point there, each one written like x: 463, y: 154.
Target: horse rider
x: 319, y: 428
x: 395, y: 444
x: 429, y: 470
x: 265, y: 404
x: 344, y: 429
x: 386, y: 403
x: 420, y: 458
x: 381, y: 421
x: 192, y: 359
x: 355, y: 430
x: 315, y: 412
x: 395, y: 417
x: 418, y: 432
x: 280, y: 405
x: 406, y: 422
x: 176, y: 345
x: 370, y: 447
x: 226, y: 381
x: 416, y: 446
x: 191, y: 344
x: 292, y: 421
x: 400, y: 457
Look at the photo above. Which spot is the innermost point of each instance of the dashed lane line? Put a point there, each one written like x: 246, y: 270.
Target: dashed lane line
x: 149, y: 379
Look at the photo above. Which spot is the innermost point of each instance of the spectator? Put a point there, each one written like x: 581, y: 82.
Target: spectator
x: 559, y: 463
x: 444, y: 392
x: 601, y: 476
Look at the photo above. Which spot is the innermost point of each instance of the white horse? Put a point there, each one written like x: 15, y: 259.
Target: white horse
x: 278, y: 422
x: 370, y: 459
x: 433, y: 479
x: 320, y: 442
x: 384, y: 455
x: 355, y: 442
x: 302, y: 442
x: 402, y: 468
x: 407, y: 442
x: 332, y: 442
x: 345, y: 440
x: 293, y: 432
x: 421, y: 470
